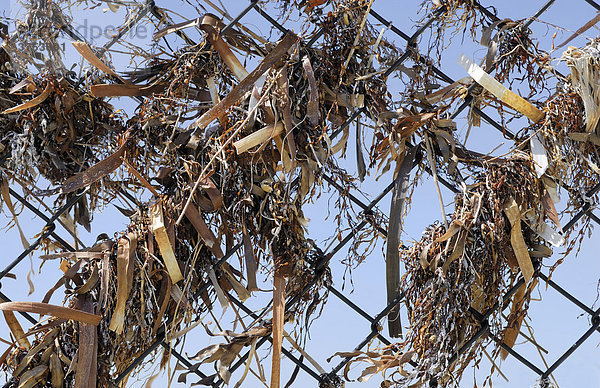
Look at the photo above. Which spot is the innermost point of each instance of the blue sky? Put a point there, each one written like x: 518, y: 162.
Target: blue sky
x: 557, y: 322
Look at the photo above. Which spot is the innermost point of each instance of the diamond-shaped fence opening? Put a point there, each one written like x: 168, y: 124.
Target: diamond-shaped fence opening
x: 414, y: 63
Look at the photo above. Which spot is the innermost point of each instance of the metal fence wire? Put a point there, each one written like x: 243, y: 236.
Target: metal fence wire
x: 376, y: 322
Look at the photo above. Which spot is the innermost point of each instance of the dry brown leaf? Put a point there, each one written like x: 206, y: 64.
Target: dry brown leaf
x: 33, y: 102
x: 125, y: 90
x: 516, y: 317
x: 32, y: 377
x: 584, y: 137
x: 56, y: 371
x: 163, y: 301
x: 175, y: 27
x: 458, y: 250
x: 453, y: 228
x: 341, y: 144
x: 239, y: 289
x: 549, y: 208
x: 92, y: 174
x: 140, y: 177
x: 580, y: 31
x: 312, y: 109
x: 125, y: 253
x: 53, y: 310
x: 220, y: 294
x: 151, y: 380
x: 392, y: 258
x: 90, y: 283
x: 278, y: 314
x: 69, y: 273
x: 87, y: 360
x: 86, y: 51
x: 213, y: 192
x: 194, y: 216
x: 250, y: 260
x: 16, y: 329
x: 34, y: 351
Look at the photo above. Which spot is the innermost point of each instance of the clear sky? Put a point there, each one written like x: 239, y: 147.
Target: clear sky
x: 557, y: 322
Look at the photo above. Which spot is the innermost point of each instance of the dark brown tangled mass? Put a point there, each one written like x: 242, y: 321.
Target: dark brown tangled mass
x: 227, y: 154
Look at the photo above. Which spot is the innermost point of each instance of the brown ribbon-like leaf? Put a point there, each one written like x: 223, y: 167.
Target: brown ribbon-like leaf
x: 125, y: 264
x: 92, y: 174
x: 49, y: 309
x: 33, y: 102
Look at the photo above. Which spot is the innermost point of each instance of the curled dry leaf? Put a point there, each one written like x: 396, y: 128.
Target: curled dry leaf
x: 33, y: 102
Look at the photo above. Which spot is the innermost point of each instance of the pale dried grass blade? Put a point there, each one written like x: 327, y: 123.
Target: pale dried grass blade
x: 259, y: 137
x: 500, y: 91
x: 540, y: 158
x: 231, y: 61
x: 164, y: 245
x: 511, y: 209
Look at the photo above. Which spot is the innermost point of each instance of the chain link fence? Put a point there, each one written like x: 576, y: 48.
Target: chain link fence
x: 376, y: 322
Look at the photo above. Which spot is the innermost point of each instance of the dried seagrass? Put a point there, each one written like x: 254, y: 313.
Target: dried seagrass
x: 468, y: 265
x: 228, y: 156
x: 163, y: 262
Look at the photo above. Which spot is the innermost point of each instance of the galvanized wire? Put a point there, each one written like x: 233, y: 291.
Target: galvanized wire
x: 149, y: 8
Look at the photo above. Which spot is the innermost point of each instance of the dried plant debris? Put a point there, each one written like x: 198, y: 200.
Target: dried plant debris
x: 583, y: 64
x: 227, y: 148
x: 468, y: 265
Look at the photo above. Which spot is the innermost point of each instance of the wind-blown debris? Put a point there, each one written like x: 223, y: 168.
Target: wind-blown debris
x: 225, y: 157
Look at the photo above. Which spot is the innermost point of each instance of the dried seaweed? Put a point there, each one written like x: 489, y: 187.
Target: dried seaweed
x: 230, y: 157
